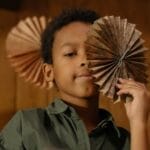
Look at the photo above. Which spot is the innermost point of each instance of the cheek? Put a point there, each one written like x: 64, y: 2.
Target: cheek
x: 63, y: 75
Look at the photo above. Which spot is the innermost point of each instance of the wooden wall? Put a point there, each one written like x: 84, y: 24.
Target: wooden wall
x: 15, y: 94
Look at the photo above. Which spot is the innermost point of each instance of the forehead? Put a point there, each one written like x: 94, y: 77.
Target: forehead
x: 75, y: 32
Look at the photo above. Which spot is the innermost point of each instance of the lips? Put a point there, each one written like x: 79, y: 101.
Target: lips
x: 85, y: 75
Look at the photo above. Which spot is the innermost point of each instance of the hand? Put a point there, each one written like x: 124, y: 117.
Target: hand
x: 138, y: 109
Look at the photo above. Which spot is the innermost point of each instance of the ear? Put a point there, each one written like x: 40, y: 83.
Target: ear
x: 48, y: 72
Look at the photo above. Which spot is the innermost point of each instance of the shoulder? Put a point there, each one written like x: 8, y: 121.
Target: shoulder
x: 21, y: 123
x: 22, y: 117
x: 32, y: 114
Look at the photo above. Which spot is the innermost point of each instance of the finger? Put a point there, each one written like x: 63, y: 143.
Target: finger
x: 123, y: 81
x: 128, y: 85
x: 131, y: 79
x: 130, y: 82
x: 129, y: 89
x: 124, y: 91
x: 135, y: 82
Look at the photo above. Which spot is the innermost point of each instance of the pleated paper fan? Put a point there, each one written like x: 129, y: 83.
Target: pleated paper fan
x: 115, y: 49
x: 23, y: 46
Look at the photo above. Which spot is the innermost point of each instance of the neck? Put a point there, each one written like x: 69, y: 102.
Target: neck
x: 87, y: 109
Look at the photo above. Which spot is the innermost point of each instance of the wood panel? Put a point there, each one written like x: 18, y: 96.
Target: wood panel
x: 15, y: 94
x: 7, y: 75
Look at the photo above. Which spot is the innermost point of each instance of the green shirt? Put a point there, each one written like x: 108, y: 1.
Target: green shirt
x: 58, y: 127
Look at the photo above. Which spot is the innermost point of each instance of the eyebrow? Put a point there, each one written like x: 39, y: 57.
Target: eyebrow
x: 68, y: 44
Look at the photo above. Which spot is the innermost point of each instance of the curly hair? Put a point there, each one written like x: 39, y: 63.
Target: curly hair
x: 66, y: 17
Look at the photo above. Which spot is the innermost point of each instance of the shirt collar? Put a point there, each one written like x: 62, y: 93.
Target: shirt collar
x: 106, y: 122
x: 58, y: 107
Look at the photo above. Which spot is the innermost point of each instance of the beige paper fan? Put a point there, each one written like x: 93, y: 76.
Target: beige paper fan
x: 115, y: 49
x: 23, y: 46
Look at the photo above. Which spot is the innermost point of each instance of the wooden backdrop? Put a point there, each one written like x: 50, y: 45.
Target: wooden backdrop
x: 15, y: 94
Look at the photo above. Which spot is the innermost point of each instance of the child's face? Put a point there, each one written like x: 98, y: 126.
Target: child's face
x: 70, y: 66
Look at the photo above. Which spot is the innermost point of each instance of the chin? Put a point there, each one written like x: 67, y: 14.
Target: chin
x: 89, y: 92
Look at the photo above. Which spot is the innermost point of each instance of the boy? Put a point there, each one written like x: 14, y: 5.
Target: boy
x: 74, y: 122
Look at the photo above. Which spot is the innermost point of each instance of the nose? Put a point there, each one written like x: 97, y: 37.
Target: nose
x: 84, y: 62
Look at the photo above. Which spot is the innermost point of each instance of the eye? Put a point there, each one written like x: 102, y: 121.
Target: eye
x: 70, y: 54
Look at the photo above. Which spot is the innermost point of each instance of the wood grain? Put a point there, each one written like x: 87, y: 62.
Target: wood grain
x: 15, y: 94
